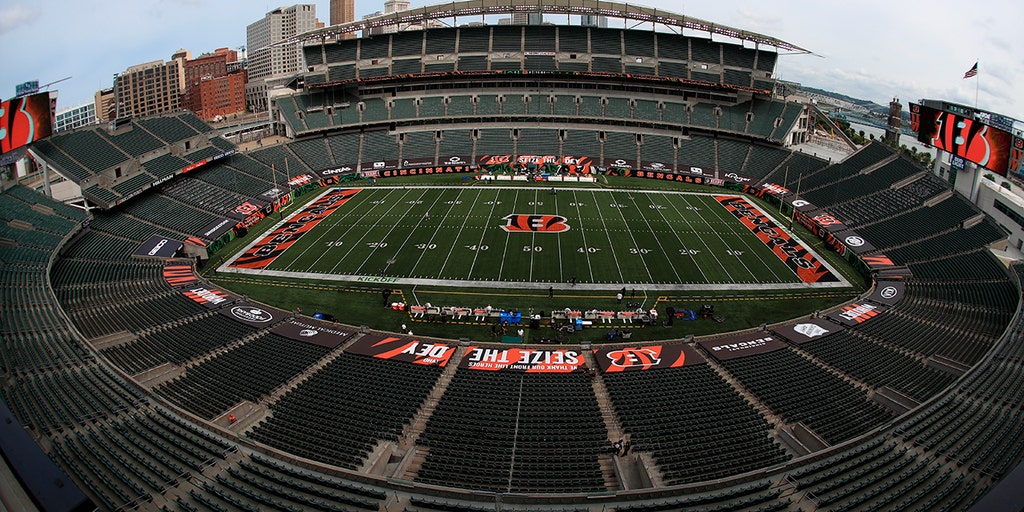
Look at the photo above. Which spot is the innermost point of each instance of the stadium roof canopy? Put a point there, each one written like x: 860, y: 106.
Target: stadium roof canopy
x: 639, y: 13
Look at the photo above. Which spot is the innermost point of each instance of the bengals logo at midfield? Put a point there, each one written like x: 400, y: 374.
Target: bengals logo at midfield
x: 536, y: 223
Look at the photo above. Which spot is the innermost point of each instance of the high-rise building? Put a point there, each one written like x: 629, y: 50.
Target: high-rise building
x: 590, y: 20
x: 214, y: 87
x: 150, y: 88
x: 267, y: 59
x: 106, y: 105
x: 74, y: 117
x: 343, y: 11
x: 527, y: 18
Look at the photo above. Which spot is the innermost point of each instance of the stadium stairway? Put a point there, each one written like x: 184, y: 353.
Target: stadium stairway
x: 413, y: 457
x: 783, y: 431
x: 619, y: 472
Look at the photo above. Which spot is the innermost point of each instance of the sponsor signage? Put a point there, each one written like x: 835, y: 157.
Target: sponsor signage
x: 888, y: 291
x: 736, y: 178
x: 309, y: 330
x: 743, y: 345
x: 179, y: 275
x: 271, y: 196
x: 403, y: 348
x: 655, y: 166
x: 856, y: 314
x: 522, y: 360
x: 158, y: 247
x: 668, y: 176
x: 408, y: 164
x: 380, y: 165
x: 620, y: 163
x: 652, y: 357
x: 808, y: 329
x: 251, y: 314
x: 447, y: 169
x: 851, y: 240
x: 215, y: 229
x: 209, y: 297
x: 300, y: 180
x: 957, y: 162
x: 344, y: 169
x: 807, y: 268
x: 264, y: 252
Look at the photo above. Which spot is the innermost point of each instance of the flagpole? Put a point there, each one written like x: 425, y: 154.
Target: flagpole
x: 977, y: 81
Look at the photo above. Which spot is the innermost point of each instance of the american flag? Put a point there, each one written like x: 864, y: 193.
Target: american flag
x: 972, y: 72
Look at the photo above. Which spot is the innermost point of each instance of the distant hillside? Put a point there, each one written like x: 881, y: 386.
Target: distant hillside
x: 868, y: 104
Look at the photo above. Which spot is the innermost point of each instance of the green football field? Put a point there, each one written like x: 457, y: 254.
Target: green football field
x: 531, y: 237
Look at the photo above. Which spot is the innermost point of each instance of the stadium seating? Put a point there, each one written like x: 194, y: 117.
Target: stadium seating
x: 800, y: 391
x: 245, y: 372
x: 549, y: 433
x: 327, y: 420
x: 706, y: 434
x: 512, y: 431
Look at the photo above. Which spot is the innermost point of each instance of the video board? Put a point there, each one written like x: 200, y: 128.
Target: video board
x: 968, y: 138
x: 25, y: 120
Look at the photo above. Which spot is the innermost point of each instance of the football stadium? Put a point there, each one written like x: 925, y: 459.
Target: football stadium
x: 505, y: 267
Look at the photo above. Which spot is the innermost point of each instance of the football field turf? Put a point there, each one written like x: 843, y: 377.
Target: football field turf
x: 535, y: 238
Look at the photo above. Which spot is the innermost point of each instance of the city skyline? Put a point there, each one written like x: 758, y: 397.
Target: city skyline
x: 912, y: 49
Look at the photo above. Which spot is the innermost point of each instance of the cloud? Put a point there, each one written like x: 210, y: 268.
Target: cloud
x: 16, y: 16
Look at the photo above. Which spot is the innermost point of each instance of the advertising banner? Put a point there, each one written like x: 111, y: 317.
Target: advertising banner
x: 310, y: 330
x: 210, y: 298
x: 158, y: 247
x: 447, y: 169
x: 251, y: 314
x: 403, y: 348
x: 807, y: 330
x: 652, y: 357
x: 888, y: 291
x: 856, y: 314
x: 522, y: 360
x: 742, y: 345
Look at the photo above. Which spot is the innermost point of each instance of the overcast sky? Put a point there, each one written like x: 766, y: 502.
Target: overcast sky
x: 871, y: 49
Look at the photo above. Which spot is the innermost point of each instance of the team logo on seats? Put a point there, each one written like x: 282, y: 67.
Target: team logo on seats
x: 536, y: 223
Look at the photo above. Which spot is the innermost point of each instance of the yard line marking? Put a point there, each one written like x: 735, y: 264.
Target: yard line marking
x: 366, y: 232
x: 656, y: 238
x: 741, y: 233
x: 707, y: 249
x: 650, y: 277
x: 717, y: 214
x: 609, y: 236
x: 437, y: 197
x: 583, y: 233
x: 508, y: 235
x: 455, y: 243
x: 334, y: 222
x: 681, y: 242
x: 436, y: 231
x: 483, y: 233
